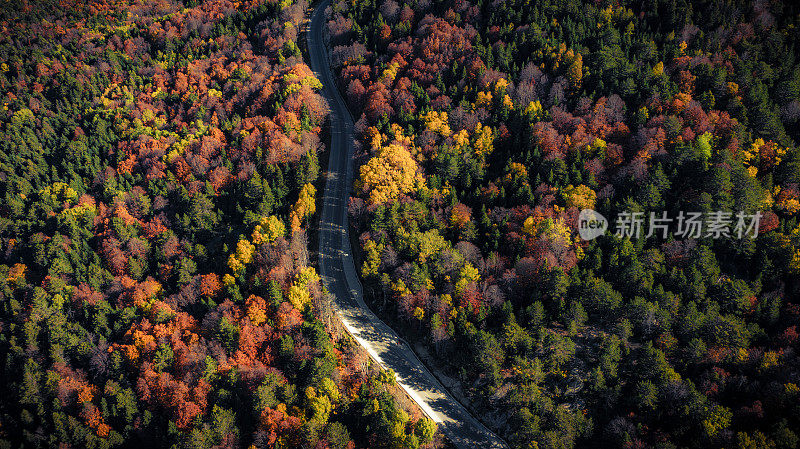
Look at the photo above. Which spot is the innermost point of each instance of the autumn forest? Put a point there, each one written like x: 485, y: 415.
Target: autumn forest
x: 162, y: 164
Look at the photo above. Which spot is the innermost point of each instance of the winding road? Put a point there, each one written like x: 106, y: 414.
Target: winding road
x: 341, y: 279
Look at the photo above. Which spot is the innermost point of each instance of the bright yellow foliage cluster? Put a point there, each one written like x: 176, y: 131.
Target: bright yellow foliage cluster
x: 298, y: 292
x: 298, y: 297
x: 741, y: 356
x: 461, y: 139
x: 769, y: 360
x: 580, y: 196
x: 319, y: 406
x: 750, y: 155
x: 269, y: 229
x: 228, y: 280
x: 500, y: 85
x: 307, y: 276
x: 437, y: 122
x: 22, y: 116
x: 717, y: 419
x: 374, y: 137
x: 306, y: 203
x: 790, y: 205
x: 391, y: 173
x: 430, y: 242
x: 565, y: 58
x: 242, y: 256
x: 484, y: 100
x: 59, y: 192
x: 507, y: 102
x: 605, y: 16
x: 330, y: 389
x: 658, y: 69
x: 484, y: 139
x: 81, y: 210
x: 389, y: 74
x: 529, y: 226
x: 467, y: 275
x: 556, y: 228
x: 534, y: 110
x: 598, y: 146
x: 305, y: 206
x: 298, y: 77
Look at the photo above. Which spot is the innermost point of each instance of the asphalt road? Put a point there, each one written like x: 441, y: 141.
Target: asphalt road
x: 339, y: 275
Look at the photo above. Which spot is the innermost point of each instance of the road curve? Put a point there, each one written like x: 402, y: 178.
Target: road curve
x: 339, y: 275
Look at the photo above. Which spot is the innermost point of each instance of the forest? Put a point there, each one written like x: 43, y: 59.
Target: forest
x: 159, y: 169
x: 485, y: 127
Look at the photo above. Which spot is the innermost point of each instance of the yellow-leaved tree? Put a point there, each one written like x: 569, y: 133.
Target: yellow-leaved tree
x: 391, y: 173
x: 437, y: 122
x: 299, y: 296
x: 483, y: 100
x: 242, y: 256
x: 268, y: 229
x: 468, y: 275
x: 305, y: 206
x: 580, y: 196
x: 423, y: 244
x: 484, y: 139
x: 575, y: 72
